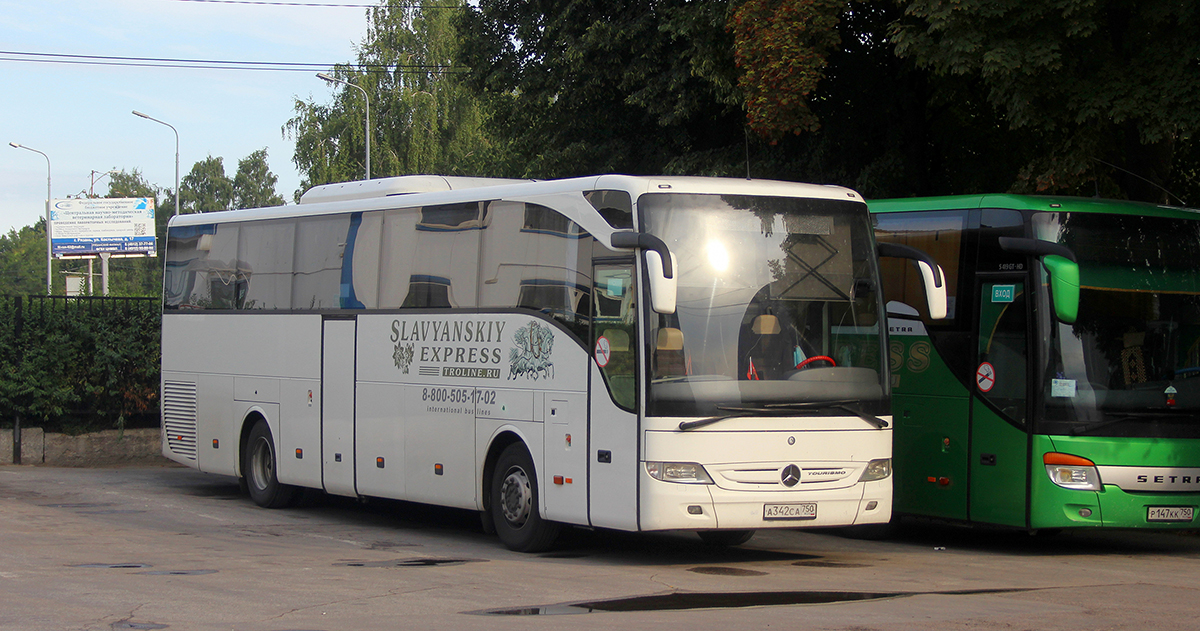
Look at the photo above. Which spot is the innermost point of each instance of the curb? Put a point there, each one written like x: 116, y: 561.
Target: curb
x: 99, y: 449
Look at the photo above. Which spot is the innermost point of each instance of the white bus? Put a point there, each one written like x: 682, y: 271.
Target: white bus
x: 634, y: 353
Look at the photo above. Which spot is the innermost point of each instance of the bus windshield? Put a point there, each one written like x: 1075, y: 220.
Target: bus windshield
x: 778, y: 304
x: 1130, y: 364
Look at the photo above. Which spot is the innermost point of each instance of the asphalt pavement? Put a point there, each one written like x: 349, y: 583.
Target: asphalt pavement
x: 173, y: 548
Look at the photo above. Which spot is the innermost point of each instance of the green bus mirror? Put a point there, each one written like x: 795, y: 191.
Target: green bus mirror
x: 1060, y: 264
x: 1064, y: 286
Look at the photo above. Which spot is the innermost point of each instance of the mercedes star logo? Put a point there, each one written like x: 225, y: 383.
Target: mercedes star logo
x: 790, y: 476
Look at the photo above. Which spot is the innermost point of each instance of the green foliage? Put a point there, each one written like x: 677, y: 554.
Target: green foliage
x: 78, y: 365
x: 591, y: 86
x: 130, y: 184
x: 1098, y: 82
x: 781, y: 47
x: 423, y: 120
x: 206, y: 188
x: 254, y: 184
x: 23, y: 260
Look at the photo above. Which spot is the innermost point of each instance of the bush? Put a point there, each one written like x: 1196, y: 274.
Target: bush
x: 77, y: 365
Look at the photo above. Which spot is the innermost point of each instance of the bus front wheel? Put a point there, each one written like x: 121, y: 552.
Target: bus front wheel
x: 514, y: 504
x: 259, y: 468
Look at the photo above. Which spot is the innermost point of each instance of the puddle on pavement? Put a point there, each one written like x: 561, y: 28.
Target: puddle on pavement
x: 77, y: 505
x: 726, y: 571
x: 111, y: 511
x: 817, y: 563
x: 408, y: 563
x: 694, y: 600
x: 178, y: 572
x: 710, y: 600
x: 114, y: 566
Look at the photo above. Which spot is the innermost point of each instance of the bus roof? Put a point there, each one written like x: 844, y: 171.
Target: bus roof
x: 1028, y: 202
x: 423, y: 190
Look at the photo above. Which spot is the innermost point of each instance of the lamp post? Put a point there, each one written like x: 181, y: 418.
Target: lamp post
x: 367, y: 122
x: 137, y: 113
x: 48, y: 198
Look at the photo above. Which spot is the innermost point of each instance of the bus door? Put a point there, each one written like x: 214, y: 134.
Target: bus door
x: 613, y: 427
x: 998, y: 453
x: 337, y: 403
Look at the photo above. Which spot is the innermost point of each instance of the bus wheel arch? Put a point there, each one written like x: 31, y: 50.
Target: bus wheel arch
x: 499, y: 443
x: 259, y: 460
x: 514, y: 500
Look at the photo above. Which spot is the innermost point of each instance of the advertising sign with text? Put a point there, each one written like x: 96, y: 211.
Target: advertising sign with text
x: 86, y: 227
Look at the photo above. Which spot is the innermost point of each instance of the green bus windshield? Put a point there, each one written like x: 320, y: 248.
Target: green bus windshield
x: 1130, y: 364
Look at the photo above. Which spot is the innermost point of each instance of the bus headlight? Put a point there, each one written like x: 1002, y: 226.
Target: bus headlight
x: 876, y: 470
x: 681, y: 472
x: 1072, y: 472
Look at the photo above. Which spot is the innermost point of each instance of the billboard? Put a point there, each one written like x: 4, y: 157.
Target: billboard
x: 87, y: 227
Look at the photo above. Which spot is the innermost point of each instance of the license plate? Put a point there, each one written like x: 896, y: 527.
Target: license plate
x: 806, y: 510
x: 1169, y: 513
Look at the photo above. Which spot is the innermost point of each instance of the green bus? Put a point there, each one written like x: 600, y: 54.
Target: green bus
x: 1063, y: 388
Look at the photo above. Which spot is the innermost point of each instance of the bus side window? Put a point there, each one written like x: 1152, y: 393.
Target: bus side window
x: 614, y: 327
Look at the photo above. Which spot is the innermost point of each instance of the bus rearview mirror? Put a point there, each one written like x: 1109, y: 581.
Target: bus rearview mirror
x: 659, y: 267
x: 1064, y: 286
x: 662, y: 289
x: 1060, y: 265
x: 932, y: 276
x: 935, y: 293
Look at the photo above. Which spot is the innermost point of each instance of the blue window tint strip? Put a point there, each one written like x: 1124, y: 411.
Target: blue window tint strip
x: 348, y: 299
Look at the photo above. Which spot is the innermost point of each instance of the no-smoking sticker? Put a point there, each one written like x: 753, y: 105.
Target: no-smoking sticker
x: 603, y: 351
x: 985, y: 377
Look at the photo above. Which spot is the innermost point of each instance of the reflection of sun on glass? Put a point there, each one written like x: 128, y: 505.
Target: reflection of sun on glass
x: 718, y: 256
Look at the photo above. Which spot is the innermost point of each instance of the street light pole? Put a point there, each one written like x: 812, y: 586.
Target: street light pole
x: 48, y: 198
x: 367, y: 118
x: 137, y: 113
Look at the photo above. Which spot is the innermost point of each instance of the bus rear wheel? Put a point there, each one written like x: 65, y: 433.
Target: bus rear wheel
x: 259, y: 466
x: 515, y: 502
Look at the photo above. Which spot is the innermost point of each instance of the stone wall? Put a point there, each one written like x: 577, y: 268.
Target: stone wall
x: 101, y: 449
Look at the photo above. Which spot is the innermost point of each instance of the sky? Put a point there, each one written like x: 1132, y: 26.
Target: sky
x: 81, y: 115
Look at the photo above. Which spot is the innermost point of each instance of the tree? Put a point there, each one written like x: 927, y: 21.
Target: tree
x: 23, y: 260
x: 422, y: 119
x: 254, y: 184
x: 130, y: 184
x: 1109, y: 88
x: 782, y: 46
x: 140, y: 276
x: 636, y: 86
x: 206, y: 188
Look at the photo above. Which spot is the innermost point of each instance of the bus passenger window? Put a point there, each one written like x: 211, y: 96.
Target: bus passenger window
x: 614, y: 326
x: 428, y: 292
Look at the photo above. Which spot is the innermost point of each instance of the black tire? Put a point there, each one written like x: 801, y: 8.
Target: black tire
x: 259, y: 466
x: 515, y: 501
x: 725, y: 538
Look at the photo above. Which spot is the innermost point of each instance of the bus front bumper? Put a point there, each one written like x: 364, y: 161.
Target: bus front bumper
x: 673, y: 506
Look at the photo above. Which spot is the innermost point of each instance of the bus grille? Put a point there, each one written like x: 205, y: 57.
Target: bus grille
x: 179, y: 417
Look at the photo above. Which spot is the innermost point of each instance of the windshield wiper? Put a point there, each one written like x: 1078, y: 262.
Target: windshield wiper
x: 783, y: 409
x: 1127, y: 416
